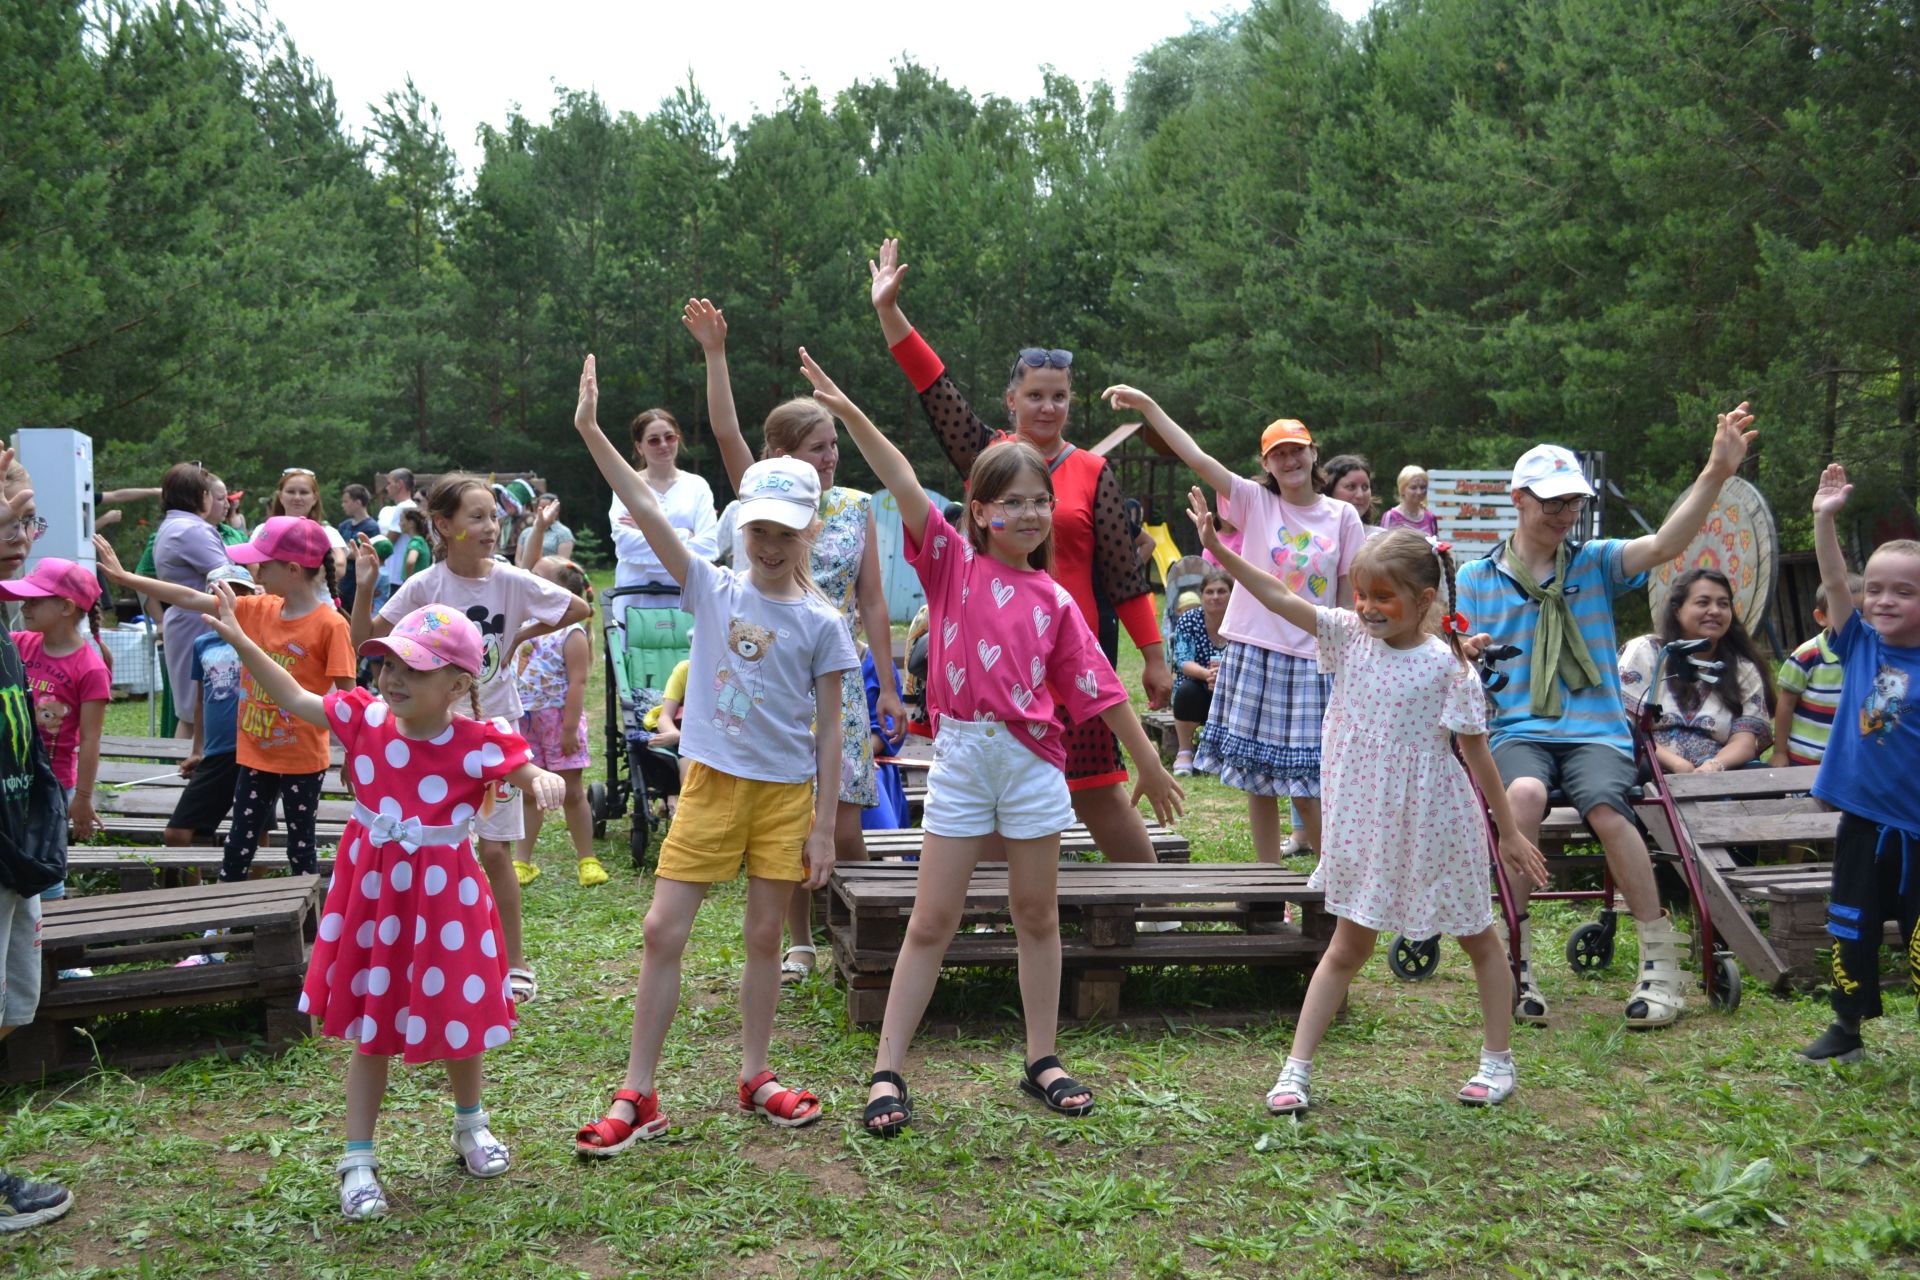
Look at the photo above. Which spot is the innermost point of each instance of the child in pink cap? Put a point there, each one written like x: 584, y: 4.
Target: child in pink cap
x: 69, y: 678
x: 409, y: 958
x: 282, y: 760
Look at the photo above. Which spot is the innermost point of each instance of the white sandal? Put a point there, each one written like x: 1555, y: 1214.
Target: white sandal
x: 523, y: 984
x: 792, y: 972
x: 1291, y: 1093
x: 361, y: 1197
x: 1496, y: 1080
x: 483, y: 1155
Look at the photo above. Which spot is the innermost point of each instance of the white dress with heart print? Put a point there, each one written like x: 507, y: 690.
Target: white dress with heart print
x: 1403, y: 844
x: 1006, y: 644
x: 409, y: 958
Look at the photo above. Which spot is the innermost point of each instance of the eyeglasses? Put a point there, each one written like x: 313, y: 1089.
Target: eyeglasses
x: 1042, y: 358
x: 1023, y: 506
x: 1554, y: 506
x: 33, y: 528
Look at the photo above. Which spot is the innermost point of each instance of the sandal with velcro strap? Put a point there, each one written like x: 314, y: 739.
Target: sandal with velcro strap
x: 1492, y: 1084
x: 481, y: 1154
x: 610, y: 1135
x: 1292, y: 1093
x: 784, y: 1108
x: 886, y: 1106
x: 793, y: 972
x: 1051, y: 1094
x: 361, y: 1197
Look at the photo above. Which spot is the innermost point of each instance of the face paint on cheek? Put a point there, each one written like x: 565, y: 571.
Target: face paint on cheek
x: 998, y: 522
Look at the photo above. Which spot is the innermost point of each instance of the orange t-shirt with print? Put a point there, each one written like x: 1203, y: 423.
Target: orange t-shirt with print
x: 317, y: 648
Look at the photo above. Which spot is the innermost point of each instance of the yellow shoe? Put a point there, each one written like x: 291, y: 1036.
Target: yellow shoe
x: 591, y: 872
x: 525, y: 872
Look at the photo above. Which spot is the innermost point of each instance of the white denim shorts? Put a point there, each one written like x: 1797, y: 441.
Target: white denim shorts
x: 507, y: 822
x: 19, y: 958
x: 984, y: 780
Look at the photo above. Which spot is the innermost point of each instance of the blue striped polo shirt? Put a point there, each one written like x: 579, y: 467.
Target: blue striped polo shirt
x: 1495, y: 604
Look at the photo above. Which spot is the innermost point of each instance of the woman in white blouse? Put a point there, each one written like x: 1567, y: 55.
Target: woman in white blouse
x: 685, y: 497
x: 1702, y: 726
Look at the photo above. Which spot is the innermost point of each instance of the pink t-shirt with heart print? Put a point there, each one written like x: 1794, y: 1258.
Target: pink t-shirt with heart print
x: 1006, y: 644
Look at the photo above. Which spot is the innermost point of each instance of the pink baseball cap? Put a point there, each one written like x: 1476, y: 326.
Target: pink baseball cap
x: 431, y: 637
x: 295, y: 539
x: 54, y: 577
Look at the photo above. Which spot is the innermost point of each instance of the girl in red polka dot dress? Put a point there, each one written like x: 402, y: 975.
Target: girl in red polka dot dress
x: 409, y: 958
x: 1403, y: 848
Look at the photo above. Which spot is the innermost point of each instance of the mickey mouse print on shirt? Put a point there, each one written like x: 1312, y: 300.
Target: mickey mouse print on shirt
x: 502, y: 605
x: 1006, y: 644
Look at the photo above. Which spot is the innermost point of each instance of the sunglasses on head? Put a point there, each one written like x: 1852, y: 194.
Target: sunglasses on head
x: 295, y: 471
x: 1042, y: 358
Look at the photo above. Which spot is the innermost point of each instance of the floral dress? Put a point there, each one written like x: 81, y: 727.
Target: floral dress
x: 409, y: 958
x: 1403, y: 848
x: 837, y: 553
x: 1692, y: 720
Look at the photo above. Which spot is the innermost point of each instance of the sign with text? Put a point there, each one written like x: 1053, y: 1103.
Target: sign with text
x: 1473, y: 507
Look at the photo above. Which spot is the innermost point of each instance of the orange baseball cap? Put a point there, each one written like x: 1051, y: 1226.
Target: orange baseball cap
x: 1284, y: 431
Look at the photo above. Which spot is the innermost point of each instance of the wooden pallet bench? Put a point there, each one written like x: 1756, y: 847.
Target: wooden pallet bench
x: 133, y: 941
x: 121, y: 746
x: 161, y: 866
x: 1169, y: 846
x: 162, y: 775
x: 1100, y: 904
x: 1160, y: 732
x: 1768, y: 811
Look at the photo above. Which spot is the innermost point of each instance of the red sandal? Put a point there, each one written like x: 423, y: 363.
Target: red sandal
x: 610, y: 1135
x: 785, y: 1109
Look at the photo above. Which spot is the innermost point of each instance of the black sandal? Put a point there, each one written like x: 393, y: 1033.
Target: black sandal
x: 884, y: 1106
x: 1064, y: 1087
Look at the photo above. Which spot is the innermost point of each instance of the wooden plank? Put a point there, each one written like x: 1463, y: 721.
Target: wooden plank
x: 158, y: 802
x: 985, y: 950
x: 1741, y: 783
x: 120, y: 746
x: 151, y: 773
x: 1711, y: 827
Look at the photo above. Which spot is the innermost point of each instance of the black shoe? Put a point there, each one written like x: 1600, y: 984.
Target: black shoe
x: 26, y: 1204
x: 1836, y: 1044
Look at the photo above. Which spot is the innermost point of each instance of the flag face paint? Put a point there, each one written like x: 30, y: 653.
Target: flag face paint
x: 998, y: 522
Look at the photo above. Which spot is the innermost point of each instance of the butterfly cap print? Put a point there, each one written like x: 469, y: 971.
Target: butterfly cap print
x: 431, y: 637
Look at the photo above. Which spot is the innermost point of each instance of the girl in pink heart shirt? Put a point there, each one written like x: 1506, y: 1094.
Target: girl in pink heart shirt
x: 1010, y: 664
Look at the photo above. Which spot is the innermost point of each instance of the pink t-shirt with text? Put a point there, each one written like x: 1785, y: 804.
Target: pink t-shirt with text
x: 1006, y: 644
x: 60, y: 686
x: 1308, y: 548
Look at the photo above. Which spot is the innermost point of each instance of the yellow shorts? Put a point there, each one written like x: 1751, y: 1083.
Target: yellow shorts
x: 722, y: 819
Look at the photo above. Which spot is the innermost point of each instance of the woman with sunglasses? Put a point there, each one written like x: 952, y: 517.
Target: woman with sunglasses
x: 298, y: 495
x: 1093, y: 548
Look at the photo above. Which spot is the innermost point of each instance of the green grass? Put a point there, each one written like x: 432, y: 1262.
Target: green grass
x: 1701, y: 1150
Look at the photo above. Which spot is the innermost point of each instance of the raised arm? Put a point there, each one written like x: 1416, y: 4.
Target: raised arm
x: 278, y: 682
x: 534, y: 541
x: 1265, y: 588
x: 1828, y: 500
x: 709, y: 328
x: 366, y: 574
x: 626, y: 482
x: 871, y: 599
x: 167, y: 593
x: 890, y: 466
x: 1730, y: 441
x: 1213, y: 473
x: 961, y: 434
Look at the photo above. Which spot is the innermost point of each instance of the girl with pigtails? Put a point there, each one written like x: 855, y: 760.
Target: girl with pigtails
x: 1402, y: 849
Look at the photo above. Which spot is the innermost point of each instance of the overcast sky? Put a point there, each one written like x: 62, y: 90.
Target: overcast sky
x: 477, y: 58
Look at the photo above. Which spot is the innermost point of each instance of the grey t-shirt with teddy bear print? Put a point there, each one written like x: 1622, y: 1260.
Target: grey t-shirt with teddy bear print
x: 749, y: 708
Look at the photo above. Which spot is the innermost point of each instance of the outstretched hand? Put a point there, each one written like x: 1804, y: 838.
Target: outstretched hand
x: 1123, y: 396
x: 104, y: 552
x: 17, y: 501
x: 1833, y: 492
x: 586, y: 413
x: 366, y: 563
x: 887, y: 272
x: 1730, y: 441
x: 707, y: 325
x: 1166, y: 796
x: 223, y: 619
x: 830, y: 396
x: 1523, y: 860
x: 549, y: 791
x: 1202, y: 517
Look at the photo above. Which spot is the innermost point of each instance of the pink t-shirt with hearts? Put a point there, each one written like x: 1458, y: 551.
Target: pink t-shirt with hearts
x: 1308, y: 548
x: 1006, y: 644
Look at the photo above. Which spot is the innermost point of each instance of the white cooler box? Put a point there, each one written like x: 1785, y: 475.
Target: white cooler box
x: 136, y: 660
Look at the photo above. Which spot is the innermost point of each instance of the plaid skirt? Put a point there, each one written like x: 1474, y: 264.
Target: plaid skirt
x: 1263, y: 736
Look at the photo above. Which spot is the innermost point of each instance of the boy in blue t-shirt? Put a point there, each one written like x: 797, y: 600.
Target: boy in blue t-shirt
x: 1867, y: 773
x: 212, y: 767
